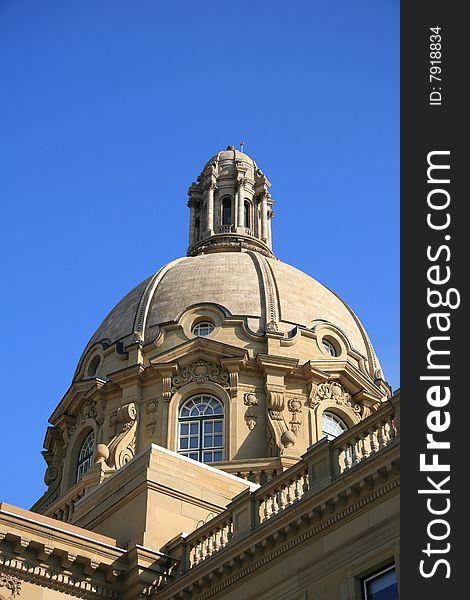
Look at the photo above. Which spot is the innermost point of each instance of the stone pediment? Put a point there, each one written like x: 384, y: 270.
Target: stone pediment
x: 200, y: 360
x: 200, y: 349
x: 357, y: 384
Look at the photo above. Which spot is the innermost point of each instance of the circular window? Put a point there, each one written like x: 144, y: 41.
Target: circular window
x: 328, y: 347
x: 93, y: 366
x: 331, y: 425
x: 203, y: 328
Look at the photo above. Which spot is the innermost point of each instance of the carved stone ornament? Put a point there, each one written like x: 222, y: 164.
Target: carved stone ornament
x: 251, y: 401
x: 10, y: 584
x: 201, y: 372
x: 91, y: 410
x: 151, y: 410
x: 122, y: 446
x: 295, y: 407
x: 276, y: 404
x: 333, y: 391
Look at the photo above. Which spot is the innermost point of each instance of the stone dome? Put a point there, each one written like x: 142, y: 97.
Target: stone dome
x: 231, y: 154
x: 228, y: 325
x: 244, y: 285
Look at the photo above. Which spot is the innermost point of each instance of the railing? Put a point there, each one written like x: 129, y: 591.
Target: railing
x: 259, y: 471
x: 366, y: 438
x: 282, y: 493
x: 323, y: 463
x: 216, y: 537
x: 225, y: 229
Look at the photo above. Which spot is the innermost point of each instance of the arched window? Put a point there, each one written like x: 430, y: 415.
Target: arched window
x: 247, y: 215
x: 201, y: 429
x: 331, y: 425
x: 93, y: 366
x: 227, y: 211
x: 85, y: 456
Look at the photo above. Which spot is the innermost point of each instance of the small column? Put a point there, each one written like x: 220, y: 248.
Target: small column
x: 192, y: 221
x: 264, y: 217
x: 241, y: 205
x: 210, y: 207
x: 270, y: 220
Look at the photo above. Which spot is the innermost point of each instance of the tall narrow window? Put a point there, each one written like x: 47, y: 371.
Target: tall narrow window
x: 85, y: 456
x: 247, y: 214
x: 227, y: 211
x: 197, y: 228
x: 201, y: 429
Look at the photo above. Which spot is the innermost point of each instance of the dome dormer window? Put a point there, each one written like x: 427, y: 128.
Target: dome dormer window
x: 203, y: 328
x: 200, y: 429
x: 332, y: 426
x: 329, y: 348
x: 85, y: 456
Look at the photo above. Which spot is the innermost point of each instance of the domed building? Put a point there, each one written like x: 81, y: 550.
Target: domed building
x: 226, y: 382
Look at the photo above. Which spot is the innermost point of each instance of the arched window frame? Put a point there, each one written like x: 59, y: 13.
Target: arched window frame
x: 85, y: 456
x: 201, y: 436
x: 341, y: 424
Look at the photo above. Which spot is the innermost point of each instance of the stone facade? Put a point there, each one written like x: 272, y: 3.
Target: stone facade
x: 279, y: 511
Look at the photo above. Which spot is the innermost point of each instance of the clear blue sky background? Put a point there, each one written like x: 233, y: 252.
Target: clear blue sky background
x: 109, y: 110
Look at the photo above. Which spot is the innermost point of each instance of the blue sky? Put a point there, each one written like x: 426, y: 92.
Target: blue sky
x: 108, y: 112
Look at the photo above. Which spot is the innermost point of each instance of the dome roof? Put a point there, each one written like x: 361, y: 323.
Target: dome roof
x: 242, y: 284
x: 231, y: 154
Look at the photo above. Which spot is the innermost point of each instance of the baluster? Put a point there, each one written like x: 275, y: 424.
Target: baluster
x: 392, y: 430
x: 297, y: 493
x: 373, y: 441
x: 281, y: 499
x: 290, y: 497
x: 274, y: 506
x: 209, y: 546
x: 223, y: 535
x: 347, y: 457
x: 267, y: 508
x: 306, y: 483
x: 202, y: 549
x: 364, y: 447
x: 356, y: 455
x: 216, y: 544
x: 380, y: 435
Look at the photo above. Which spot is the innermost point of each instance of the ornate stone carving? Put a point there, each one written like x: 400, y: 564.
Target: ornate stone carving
x: 151, y: 410
x: 166, y: 383
x: 11, y: 584
x: 295, y: 407
x: 276, y: 404
x: 122, y: 446
x: 91, y: 410
x: 201, y: 372
x: 251, y: 401
x: 333, y: 391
